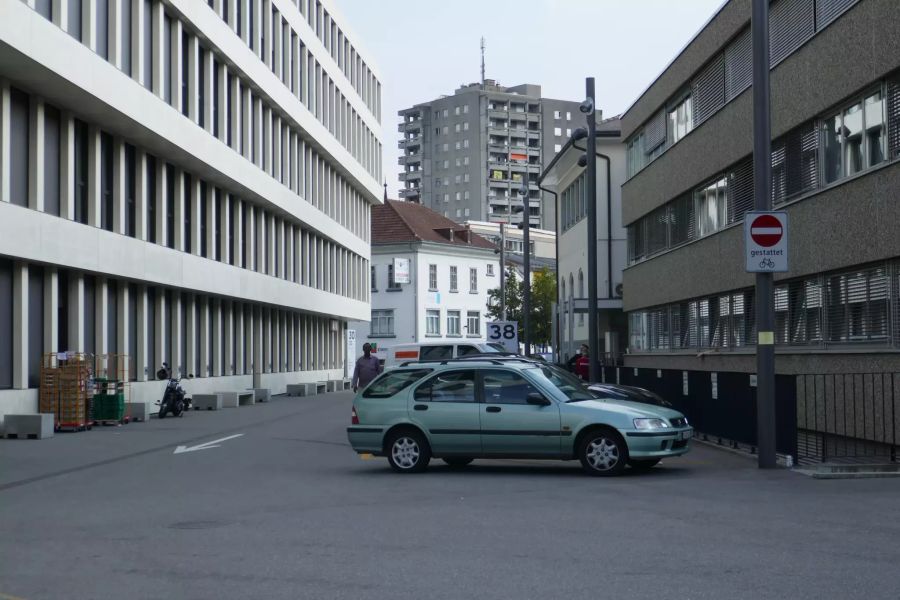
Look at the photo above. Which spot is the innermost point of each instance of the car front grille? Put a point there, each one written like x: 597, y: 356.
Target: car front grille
x: 679, y: 422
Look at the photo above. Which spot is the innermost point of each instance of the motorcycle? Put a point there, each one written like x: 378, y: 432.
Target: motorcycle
x: 173, y: 400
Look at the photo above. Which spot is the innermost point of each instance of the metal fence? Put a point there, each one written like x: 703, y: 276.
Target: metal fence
x: 837, y: 417
x: 848, y: 416
x: 720, y: 405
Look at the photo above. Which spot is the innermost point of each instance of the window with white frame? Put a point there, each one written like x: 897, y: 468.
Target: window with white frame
x: 466, y: 126
x: 490, y: 270
x: 679, y: 120
x: 854, y: 139
x: 568, y: 116
x: 466, y: 193
x: 446, y: 197
x: 446, y: 164
x: 454, y: 279
x: 557, y: 131
x: 446, y: 112
x: 465, y: 160
x: 465, y: 108
x: 453, y: 322
x: 458, y: 145
x: 433, y: 322
x: 557, y: 147
x: 457, y: 128
x: 557, y: 114
x: 710, y: 207
x: 473, y: 322
x: 465, y: 212
x: 466, y: 178
x: 465, y: 143
x: 432, y: 277
x: 458, y: 162
x: 457, y: 179
x: 374, y: 279
x: 392, y: 285
x: 382, y: 322
x: 473, y: 279
x: 456, y: 110
x: 458, y: 213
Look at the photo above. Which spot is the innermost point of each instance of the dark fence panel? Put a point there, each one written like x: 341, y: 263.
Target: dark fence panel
x: 721, y: 406
x: 846, y: 416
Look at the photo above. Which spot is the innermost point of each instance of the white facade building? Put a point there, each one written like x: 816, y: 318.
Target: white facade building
x: 183, y: 182
x: 565, y: 177
x: 451, y: 270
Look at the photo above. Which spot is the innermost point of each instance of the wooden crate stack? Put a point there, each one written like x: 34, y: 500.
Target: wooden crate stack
x: 66, y: 389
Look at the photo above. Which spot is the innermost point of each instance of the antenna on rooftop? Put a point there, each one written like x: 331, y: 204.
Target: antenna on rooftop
x: 482, y: 61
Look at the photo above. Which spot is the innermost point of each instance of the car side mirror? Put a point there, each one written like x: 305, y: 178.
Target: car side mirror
x: 536, y: 399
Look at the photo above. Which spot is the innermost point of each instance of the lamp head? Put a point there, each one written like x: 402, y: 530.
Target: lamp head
x: 582, y: 160
x: 587, y: 107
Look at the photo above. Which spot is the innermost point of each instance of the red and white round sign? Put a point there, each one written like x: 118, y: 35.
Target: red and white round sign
x: 766, y: 230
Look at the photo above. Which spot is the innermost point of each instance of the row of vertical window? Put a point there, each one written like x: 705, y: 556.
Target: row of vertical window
x: 166, y: 57
x: 573, y: 203
x: 202, y: 335
x: 862, y: 133
x: 118, y: 187
x: 856, y: 306
x: 727, y: 75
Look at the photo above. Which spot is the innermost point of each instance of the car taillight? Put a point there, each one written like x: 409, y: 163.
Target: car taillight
x: 354, y: 418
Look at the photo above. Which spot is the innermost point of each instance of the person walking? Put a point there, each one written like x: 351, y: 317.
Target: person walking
x: 583, y: 364
x: 367, y: 368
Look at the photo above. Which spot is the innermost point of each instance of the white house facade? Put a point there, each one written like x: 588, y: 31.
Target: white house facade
x: 183, y: 182
x: 567, y: 179
x: 450, y: 276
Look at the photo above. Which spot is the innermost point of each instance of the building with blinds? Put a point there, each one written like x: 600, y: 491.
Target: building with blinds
x: 836, y: 171
x: 183, y: 182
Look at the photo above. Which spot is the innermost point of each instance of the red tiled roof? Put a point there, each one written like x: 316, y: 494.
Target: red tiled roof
x: 396, y: 221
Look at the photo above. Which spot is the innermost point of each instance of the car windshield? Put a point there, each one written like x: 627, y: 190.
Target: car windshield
x: 635, y: 394
x: 568, y: 384
x: 392, y: 382
x: 492, y: 347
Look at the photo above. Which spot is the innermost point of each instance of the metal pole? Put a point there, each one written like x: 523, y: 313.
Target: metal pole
x: 591, y: 190
x: 502, y: 271
x: 762, y: 188
x: 526, y: 252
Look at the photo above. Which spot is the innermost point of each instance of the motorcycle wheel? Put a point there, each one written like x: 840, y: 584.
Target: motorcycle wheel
x: 163, y: 409
x: 178, y: 409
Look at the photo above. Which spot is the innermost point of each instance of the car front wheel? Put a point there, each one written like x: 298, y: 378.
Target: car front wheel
x: 408, y: 452
x: 603, y: 452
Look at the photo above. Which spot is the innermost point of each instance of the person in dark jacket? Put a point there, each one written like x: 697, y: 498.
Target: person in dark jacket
x: 367, y: 368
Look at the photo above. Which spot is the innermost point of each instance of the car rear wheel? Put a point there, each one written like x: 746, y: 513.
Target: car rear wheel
x: 457, y: 462
x: 644, y: 465
x: 603, y: 452
x: 408, y: 452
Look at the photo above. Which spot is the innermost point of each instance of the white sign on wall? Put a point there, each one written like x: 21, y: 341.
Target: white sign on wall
x: 350, y: 361
x: 504, y: 332
x: 401, y: 270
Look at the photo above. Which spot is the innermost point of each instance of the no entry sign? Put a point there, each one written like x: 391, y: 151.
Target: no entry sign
x: 765, y: 242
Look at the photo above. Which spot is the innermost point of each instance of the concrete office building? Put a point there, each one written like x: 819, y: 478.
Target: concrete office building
x: 465, y: 155
x: 183, y: 182
x: 836, y: 144
x: 451, y: 270
x: 567, y: 180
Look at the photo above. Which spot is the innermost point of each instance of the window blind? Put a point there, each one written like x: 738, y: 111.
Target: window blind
x: 708, y: 90
x: 791, y: 22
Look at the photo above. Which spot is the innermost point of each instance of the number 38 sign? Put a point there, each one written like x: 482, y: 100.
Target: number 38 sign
x: 504, y: 332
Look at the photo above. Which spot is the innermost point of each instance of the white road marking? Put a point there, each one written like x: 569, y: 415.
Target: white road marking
x: 205, y: 445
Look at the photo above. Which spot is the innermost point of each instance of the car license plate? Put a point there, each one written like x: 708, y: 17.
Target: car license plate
x: 686, y: 435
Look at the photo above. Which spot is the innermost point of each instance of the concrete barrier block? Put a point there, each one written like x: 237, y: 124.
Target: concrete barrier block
x: 207, y: 402
x: 321, y: 387
x: 246, y: 398
x: 335, y: 385
x: 297, y: 389
x: 229, y: 399
x: 262, y: 394
x: 35, y: 427
x: 137, y: 411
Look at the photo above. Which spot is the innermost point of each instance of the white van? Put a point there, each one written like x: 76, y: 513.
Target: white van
x: 397, y: 355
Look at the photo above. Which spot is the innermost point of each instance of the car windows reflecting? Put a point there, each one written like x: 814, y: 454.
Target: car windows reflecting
x: 567, y: 383
x: 448, y: 386
x: 436, y: 352
x: 506, y: 387
x: 392, y: 382
x: 467, y: 350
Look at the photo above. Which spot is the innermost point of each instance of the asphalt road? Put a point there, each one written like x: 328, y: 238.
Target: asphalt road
x: 287, y: 510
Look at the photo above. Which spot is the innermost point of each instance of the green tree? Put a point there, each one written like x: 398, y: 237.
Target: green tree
x: 543, y: 295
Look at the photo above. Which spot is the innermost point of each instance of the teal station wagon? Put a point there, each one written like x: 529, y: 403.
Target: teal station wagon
x: 460, y: 410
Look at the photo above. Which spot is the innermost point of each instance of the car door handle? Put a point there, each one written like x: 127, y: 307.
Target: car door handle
x: 492, y: 409
x: 420, y: 407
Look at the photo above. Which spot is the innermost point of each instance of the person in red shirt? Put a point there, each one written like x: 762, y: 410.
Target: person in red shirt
x: 583, y: 365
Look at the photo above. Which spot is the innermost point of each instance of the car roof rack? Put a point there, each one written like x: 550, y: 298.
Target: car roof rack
x: 487, y: 357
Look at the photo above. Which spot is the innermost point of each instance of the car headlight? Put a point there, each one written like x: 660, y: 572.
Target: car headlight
x: 650, y: 424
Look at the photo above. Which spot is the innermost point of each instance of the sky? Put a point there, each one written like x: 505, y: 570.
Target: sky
x: 426, y: 48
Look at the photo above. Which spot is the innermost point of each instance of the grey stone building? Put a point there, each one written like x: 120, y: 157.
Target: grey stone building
x: 836, y: 144
x: 465, y: 155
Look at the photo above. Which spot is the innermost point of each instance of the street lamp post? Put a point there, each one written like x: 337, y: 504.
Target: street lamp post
x: 587, y: 107
x: 762, y: 187
x: 502, y: 271
x: 526, y: 253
